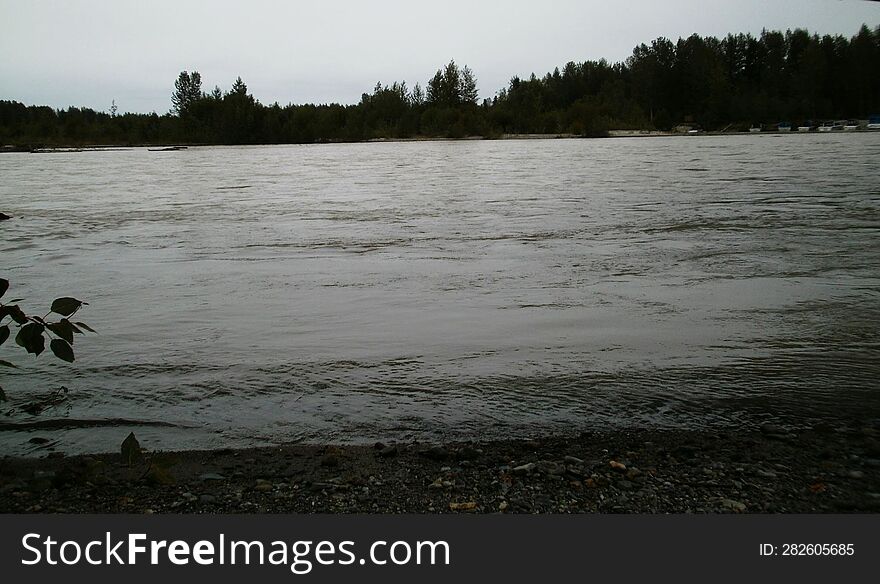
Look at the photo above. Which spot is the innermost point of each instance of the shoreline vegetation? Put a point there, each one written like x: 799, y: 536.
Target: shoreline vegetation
x: 176, y: 147
x: 698, y: 84
x: 774, y: 469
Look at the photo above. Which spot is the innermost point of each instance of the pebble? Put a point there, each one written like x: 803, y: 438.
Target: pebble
x: 525, y: 468
x: 767, y: 474
x: 209, y: 499
x: 618, y: 466
x: 549, y: 467
x: 211, y: 476
x: 573, y: 460
x: 733, y: 505
x: 856, y: 474
x: 468, y: 506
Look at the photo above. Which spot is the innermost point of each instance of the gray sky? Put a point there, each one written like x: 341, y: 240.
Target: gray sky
x: 87, y: 53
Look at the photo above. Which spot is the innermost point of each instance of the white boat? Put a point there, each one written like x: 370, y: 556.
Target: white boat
x: 783, y: 127
x: 873, y: 123
x: 826, y: 127
x: 851, y: 126
x: 755, y: 129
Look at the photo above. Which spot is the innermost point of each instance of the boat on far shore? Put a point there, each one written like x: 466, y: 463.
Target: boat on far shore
x: 783, y: 127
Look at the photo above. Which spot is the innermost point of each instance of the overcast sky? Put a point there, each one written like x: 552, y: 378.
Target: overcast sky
x: 87, y: 53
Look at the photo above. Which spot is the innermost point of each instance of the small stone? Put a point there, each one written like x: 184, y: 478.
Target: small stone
x: 855, y: 474
x: 527, y: 468
x: 208, y: 499
x: 503, y: 505
x: 211, y: 476
x: 633, y: 473
x: 437, y: 484
x: 468, y: 506
x: 550, y: 468
x: 733, y: 505
x: 767, y: 474
x: 573, y: 460
x: 618, y: 466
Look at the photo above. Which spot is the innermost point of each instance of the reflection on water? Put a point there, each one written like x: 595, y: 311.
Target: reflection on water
x: 455, y: 289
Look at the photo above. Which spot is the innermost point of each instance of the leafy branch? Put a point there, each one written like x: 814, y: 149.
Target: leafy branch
x: 33, y: 331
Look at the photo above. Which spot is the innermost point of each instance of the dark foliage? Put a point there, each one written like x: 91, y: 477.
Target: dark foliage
x: 713, y: 83
x: 33, y: 330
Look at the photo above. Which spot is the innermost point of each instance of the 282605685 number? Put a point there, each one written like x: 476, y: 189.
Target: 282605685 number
x: 818, y: 549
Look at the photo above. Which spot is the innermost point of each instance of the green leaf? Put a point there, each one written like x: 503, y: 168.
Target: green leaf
x: 8, y: 364
x: 63, y: 329
x: 66, y: 306
x: 73, y: 327
x: 87, y: 327
x: 15, y: 312
x: 62, y: 350
x: 4, y: 333
x: 131, y: 450
x: 4, y: 286
x: 31, y: 338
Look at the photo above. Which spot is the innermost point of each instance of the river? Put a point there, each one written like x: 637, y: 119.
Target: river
x: 462, y: 289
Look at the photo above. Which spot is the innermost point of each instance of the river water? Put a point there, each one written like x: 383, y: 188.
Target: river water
x: 476, y: 289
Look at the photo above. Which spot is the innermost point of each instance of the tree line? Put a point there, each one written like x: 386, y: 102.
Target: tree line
x: 708, y: 82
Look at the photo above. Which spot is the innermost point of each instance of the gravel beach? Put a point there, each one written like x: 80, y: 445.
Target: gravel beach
x: 770, y: 470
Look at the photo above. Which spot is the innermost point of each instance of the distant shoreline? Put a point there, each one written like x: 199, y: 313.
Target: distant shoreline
x: 611, y: 134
